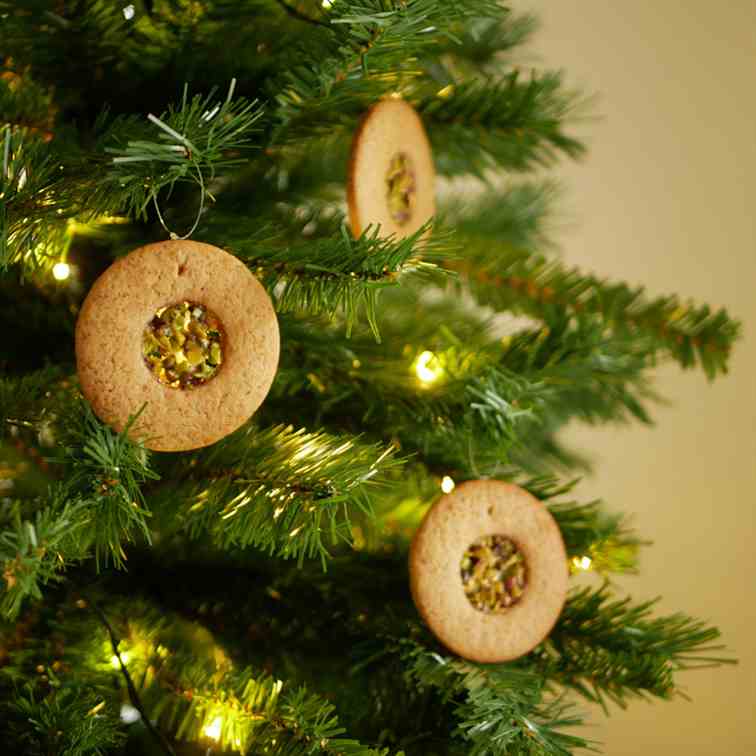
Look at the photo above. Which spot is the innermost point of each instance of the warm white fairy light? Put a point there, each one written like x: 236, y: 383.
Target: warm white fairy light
x: 129, y: 714
x: 128, y: 12
x: 427, y: 368
x: 582, y: 563
x: 61, y: 271
x: 447, y: 484
x: 125, y: 656
x: 213, y: 730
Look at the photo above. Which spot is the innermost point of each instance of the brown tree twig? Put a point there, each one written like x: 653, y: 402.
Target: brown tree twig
x: 294, y: 13
x: 161, y: 740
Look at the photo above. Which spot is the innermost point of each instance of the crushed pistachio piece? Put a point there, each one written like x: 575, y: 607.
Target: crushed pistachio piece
x: 494, y: 574
x: 400, y: 188
x: 182, y: 345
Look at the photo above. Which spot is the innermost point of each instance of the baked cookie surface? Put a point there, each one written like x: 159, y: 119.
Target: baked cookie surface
x: 227, y: 356
x: 488, y: 571
x: 391, y: 174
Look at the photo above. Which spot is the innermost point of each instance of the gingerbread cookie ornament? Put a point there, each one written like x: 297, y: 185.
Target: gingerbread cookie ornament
x: 184, y: 330
x: 391, y: 174
x: 488, y: 571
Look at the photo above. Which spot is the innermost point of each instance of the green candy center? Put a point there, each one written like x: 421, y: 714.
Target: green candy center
x: 494, y: 574
x: 183, y: 345
x: 400, y: 188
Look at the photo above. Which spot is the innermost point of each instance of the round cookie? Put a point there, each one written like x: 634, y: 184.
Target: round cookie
x: 488, y: 571
x: 391, y: 174
x: 184, y: 329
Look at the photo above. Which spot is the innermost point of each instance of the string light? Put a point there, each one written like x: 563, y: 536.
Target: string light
x: 213, y: 730
x: 61, y: 271
x: 582, y: 563
x: 128, y: 12
x: 129, y: 714
x: 447, y: 484
x: 427, y: 368
x: 125, y: 656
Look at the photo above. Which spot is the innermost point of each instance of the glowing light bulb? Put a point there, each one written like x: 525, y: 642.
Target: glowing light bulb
x: 61, y: 271
x: 128, y: 12
x: 582, y: 563
x: 447, y: 484
x: 129, y: 714
x: 427, y: 368
x: 213, y: 730
x: 125, y: 656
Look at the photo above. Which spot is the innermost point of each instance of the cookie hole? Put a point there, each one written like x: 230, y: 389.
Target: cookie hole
x: 490, y: 511
x: 181, y: 269
x: 494, y: 574
x: 182, y: 345
x: 401, y: 188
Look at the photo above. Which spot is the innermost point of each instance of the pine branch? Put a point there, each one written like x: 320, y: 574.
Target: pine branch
x: 340, y: 275
x: 195, y: 692
x: 480, y: 44
x: 593, y: 534
x: 595, y: 375
x: 468, y: 410
x: 374, y: 51
x: 502, y: 124
x: 190, y: 142
x: 532, y: 284
x: 499, y: 708
x: 283, y: 491
x: 518, y: 216
x: 22, y: 399
x: 24, y: 104
x: 70, y: 719
x: 160, y: 739
x: 34, y: 550
x: 589, y: 531
x: 446, y: 388
x: 107, y: 469
x: 613, y: 650
x: 35, y: 208
x: 44, y: 187
x: 85, y: 35
x: 295, y: 13
x: 99, y: 507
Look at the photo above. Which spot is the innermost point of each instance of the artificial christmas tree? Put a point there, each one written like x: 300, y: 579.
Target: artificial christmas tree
x: 254, y: 595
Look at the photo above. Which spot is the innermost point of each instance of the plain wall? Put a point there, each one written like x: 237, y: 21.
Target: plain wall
x: 667, y: 197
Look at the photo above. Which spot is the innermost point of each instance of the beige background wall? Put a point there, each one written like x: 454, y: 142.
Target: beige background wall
x: 667, y: 198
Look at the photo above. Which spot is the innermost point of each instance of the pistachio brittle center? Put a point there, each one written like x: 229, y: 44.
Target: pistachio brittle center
x: 400, y: 188
x: 494, y: 573
x: 183, y: 345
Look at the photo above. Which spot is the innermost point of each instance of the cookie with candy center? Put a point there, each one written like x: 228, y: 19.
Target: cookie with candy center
x: 391, y: 174
x: 488, y: 571
x: 184, y: 330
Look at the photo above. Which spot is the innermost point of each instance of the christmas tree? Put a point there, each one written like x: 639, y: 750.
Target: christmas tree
x: 209, y: 498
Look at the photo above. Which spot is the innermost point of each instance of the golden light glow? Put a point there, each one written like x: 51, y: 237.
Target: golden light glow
x: 213, y: 730
x: 582, y: 563
x: 125, y: 656
x: 61, y: 271
x: 427, y: 368
x: 447, y: 484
